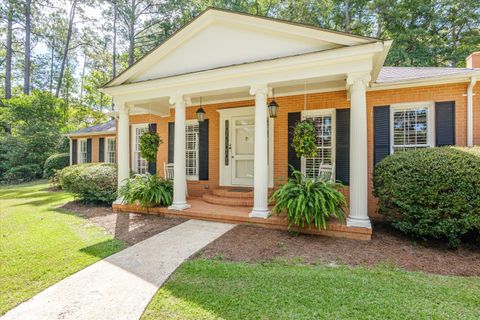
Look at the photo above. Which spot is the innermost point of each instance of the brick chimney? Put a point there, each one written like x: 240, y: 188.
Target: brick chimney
x: 473, y: 60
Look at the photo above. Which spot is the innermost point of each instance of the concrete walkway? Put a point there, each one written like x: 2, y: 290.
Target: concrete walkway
x: 120, y: 286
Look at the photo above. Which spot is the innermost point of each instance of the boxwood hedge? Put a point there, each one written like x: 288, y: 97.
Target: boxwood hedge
x: 431, y: 193
x: 55, y: 162
x: 91, y: 183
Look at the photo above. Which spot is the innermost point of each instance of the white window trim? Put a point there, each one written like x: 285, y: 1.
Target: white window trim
x: 79, y: 148
x: 317, y: 113
x: 106, y: 149
x: 430, y: 105
x: 187, y: 123
x: 134, y: 144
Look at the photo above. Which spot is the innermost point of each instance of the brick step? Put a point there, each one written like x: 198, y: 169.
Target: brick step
x: 227, y: 201
x: 238, y: 193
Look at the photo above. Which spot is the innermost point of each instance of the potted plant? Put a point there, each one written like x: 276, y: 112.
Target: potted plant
x: 149, y: 146
x: 304, y: 139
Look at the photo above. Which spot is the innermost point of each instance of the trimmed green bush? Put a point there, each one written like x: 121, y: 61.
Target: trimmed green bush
x: 148, y: 190
x: 55, y: 162
x: 431, y: 193
x: 22, y: 173
x: 308, y: 201
x: 91, y: 182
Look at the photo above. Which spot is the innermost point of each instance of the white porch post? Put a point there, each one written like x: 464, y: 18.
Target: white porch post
x: 179, y: 177
x: 260, y: 167
x: 358, y: 216
x: 123, y: 143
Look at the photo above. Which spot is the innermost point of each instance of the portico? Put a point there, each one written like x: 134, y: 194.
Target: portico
x: 171, y: 82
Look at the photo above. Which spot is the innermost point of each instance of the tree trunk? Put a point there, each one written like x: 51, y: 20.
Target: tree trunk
x: 131, y: 47
x: 83, y: 77
x: 114, y: 53
x: 65, y: 50
x: 347, y: 16
x: 26, y: 78
x: 52, y: 58
x: 8, y: 55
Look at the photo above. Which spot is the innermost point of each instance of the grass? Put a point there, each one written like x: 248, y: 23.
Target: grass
x: 208, y: 289
x: 41, y: 244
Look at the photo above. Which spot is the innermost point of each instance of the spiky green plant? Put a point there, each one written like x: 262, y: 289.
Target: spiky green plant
x: 307, y: 201
x: 148, y: 190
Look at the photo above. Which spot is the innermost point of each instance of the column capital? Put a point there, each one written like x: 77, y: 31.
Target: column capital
x: 358, y: 80
x: 180, y: 100
x: 259, y: 89
x: 121, y: 106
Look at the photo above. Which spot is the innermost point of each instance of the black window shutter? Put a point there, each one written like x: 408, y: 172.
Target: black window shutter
x: 381, y: 133
x: 444, y: 123
x: 293, y: 160
x: 203, y: 150
x: 171, y: 139
x: 74, y: 151
x: 342, y: 146
x: 101, y: 150
x: 152, y: 166
x: 89, y: 150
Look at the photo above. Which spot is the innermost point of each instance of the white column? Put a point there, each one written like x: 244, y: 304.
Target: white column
x: 260, y: 169
x: 123, y: 143
x: 358, y: 216
x: 179, y: 177
x: 471, y: 85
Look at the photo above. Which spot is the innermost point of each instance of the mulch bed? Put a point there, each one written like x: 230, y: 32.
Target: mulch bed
x: 254, y: 244
x: 129, y: 227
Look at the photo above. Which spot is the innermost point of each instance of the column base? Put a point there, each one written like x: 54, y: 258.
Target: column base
x: 259, y: 213
x: 359, y: 222
x: 179, y: 206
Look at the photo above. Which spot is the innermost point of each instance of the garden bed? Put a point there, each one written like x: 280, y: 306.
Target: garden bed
x: 129, y: 227
x: 252, y: 244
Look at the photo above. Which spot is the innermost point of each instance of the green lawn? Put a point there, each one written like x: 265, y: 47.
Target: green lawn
x: 209, y: 289
x: 40, y: 245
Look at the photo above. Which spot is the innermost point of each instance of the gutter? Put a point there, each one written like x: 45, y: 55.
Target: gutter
x: 471, y: 85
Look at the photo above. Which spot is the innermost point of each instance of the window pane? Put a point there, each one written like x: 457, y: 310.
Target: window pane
x: 191, y: 149
x: 410, y: 129
x: 323, y: 135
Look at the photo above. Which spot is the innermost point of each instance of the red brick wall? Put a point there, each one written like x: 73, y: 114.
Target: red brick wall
x: 95, y: 142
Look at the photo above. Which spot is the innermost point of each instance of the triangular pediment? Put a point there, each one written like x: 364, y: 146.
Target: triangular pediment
x: 219, y: 39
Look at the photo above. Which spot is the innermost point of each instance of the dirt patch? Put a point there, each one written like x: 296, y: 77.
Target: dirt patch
x: 129, y: 227
x: 253, y: 244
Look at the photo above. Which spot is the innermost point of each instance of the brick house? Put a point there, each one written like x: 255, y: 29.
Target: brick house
x: 233, y: 65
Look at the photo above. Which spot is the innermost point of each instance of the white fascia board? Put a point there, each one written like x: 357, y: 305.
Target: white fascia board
x: 457, y: 78
x: 380, y: 58
x: 319, y: 64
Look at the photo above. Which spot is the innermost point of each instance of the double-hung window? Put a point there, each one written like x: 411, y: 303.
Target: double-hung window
x: 110, y: 150
x: 82, y: 151
x: 140, y: 165
x: 412, y: 126
x: 324, y: 122
x: 191, y: 149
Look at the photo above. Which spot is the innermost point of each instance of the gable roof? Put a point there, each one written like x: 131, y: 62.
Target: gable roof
x: 295, y: 31
x: 106, y: 128
x: 400, y: 74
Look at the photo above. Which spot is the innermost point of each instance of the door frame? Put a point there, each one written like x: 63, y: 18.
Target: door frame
x: 225, y: 176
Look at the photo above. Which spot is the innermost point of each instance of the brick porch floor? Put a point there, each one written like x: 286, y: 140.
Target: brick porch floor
x: 202, y: 210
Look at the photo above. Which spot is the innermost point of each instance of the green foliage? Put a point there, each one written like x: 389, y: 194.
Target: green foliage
x: 149, y: 146
x: 55, y: 162
x: 22, y: 173
x: 148, y: 190
x: 306, y: 201
x: 304, y: 139
x: 431, y: 193
x: 90, y: 182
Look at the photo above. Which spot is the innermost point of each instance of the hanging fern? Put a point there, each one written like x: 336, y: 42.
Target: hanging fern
x: 304, y: 139
x: 149, y: 146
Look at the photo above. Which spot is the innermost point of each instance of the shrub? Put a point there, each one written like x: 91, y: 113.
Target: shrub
x: 22, y: 173
x: 148, y: 190
x: 431, y: 193
x: 55, y: 162
x: 309, y: 200
x: 91, y: 182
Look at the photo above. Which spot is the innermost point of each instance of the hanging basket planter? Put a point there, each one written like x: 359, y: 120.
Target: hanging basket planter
x: 304, y: 139
x: 149, y: 146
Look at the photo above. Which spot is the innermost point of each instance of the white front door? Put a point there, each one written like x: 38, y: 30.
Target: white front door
x: 242, y: 150
x: 237, y: 141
